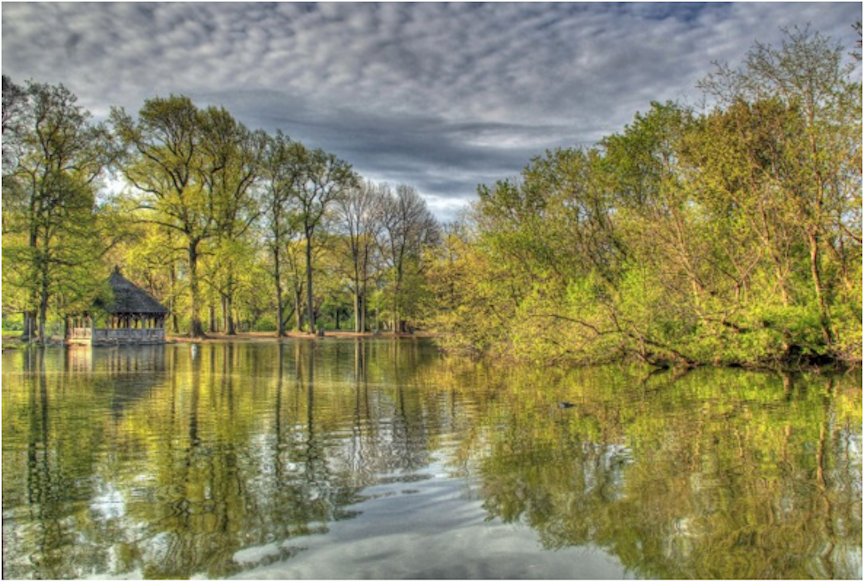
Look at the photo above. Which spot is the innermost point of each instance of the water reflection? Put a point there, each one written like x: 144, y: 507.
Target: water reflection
x: 712, y: 477
x: 174, y: 462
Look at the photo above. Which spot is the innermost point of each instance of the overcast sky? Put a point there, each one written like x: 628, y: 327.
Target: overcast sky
x: 439, y: 96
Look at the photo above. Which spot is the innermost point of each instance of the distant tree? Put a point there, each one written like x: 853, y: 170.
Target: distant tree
x: 408, y: 227
x: 358, y: 223
x: 15, y: 115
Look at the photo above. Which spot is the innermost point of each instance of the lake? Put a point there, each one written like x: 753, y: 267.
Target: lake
x: 380, y: 458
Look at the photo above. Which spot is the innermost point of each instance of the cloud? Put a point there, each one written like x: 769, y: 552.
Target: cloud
x: 442, y: 96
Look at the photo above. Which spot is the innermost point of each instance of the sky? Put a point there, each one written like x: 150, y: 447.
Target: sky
x: 439, y: 96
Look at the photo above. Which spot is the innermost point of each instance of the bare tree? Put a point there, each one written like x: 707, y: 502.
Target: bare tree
x: 359, y: 218
x: 408, y: 227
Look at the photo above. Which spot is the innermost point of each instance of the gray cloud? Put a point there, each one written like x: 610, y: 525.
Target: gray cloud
x: 442, y: 96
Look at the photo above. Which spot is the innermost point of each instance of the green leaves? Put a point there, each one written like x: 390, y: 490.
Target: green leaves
x: 731, y: 236
x: 51, y: 243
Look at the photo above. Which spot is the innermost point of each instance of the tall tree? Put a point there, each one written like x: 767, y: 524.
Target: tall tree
x: 55, y: 157
x: 233, y: 155
x: 323, y: 179
x: 823, y: 182
x: 408, y: 227
x: 359, y: 223
x: 282, y: 174
x: 193, y: 171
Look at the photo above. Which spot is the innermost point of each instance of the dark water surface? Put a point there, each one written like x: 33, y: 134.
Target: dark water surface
x: 382, y: 459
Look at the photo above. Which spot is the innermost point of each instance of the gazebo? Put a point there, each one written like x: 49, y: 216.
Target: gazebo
x: 133, y: 317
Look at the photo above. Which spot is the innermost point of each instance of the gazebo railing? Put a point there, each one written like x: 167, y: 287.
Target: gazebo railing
x: 117, y: 335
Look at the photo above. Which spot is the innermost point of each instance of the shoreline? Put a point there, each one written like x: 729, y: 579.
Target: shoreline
x: 271, y: 336
x: 13, y: 342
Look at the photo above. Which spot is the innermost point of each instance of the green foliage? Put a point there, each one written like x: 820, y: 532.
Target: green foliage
x: 53, y: 158
x: 194, y: 171
x: 728, y: 237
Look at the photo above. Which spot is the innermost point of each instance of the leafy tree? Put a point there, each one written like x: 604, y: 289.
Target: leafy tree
x: 52, y: 163
x: 235, y: 155
x: 282, y: 224
x: 322, y: 180
x: 193, y: 171
x: 821, y: 181
x: 728, y: 237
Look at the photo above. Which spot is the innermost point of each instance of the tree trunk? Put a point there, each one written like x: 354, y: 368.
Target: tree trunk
x: 298, y: 310
x: 29, y: 324
x: 358, y: 322
x: 280, y: 324
x: 231, y: 328
x: 395, y: 316
x: 824, y: 316
x: 43, y: 316
x: 43, y: 304
x: 309, y: 306
x: 223, y: 304
x: 277, y: 279
x: 173, y: 278
x: 196, y: 330
x: 213, y: 323
x: 30, y: 321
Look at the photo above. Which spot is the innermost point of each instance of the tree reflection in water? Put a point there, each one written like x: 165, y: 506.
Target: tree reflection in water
x: 715, y: 476
x: 168, y: 462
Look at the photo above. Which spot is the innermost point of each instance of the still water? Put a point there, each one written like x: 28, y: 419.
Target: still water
x: 382, y: 459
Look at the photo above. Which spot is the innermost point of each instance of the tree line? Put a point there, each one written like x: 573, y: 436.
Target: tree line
x: 213, y: 218
x: 726, y: 233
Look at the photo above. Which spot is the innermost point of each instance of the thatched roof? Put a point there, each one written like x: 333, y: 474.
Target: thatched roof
x: 131, y: 299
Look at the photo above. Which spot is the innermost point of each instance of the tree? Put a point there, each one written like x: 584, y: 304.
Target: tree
x: 359, y: 222
x: 55, y: 156
x: 322, y: 180
x: 15, y: 115
x: 730, y: 237
x: 822, y: 178
x: 193, y: 171
x: 234, y: 155
x: 408, y: 227
x: 282, y: 174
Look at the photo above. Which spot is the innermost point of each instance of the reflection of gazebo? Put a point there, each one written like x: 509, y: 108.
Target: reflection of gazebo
x: 134, y: 317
